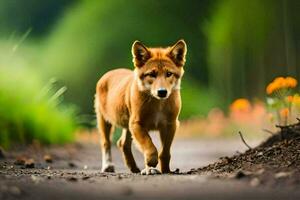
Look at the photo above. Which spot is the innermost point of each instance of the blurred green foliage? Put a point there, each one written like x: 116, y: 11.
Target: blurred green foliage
x: 17, y: 16
x: 29, y: 109
x: 250, y: 43
x: 197, y: 101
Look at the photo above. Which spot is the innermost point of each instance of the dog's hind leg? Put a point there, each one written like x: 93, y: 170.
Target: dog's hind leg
x: 124, y: 143
x: 105, y: 130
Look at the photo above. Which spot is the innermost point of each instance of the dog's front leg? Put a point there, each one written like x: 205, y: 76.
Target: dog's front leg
x: 142, y: 138
x: 167, y: 132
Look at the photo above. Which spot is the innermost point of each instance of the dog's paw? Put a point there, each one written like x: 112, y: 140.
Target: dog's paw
x: 108, y: 168
x: 150, y: 171
x: 135, y: 170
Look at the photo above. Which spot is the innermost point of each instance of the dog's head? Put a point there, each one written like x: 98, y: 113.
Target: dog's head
x: 159, y: 70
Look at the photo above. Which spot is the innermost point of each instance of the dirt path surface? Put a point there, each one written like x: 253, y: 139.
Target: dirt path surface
x: 74, y: 174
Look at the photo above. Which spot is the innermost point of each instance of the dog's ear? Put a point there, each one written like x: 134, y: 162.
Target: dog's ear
x: 178, y: 52
x: 140, y: 54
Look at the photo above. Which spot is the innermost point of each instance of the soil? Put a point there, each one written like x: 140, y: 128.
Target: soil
x: 275, y: 162
x: 73, y: 172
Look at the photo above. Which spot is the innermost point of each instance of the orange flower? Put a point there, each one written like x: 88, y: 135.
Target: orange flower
x: 291, y: 82
x: 271, y: 88
x: 284, y: 113
x: 281, y: 83
x: 241, y: 104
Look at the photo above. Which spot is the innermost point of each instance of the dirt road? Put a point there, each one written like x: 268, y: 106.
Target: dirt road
x: 74, y: 174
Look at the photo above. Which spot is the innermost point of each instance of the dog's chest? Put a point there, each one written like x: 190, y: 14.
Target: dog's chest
x: 158, y: 118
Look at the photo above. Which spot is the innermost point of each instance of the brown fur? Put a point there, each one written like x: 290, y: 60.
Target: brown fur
x: 130, y: 99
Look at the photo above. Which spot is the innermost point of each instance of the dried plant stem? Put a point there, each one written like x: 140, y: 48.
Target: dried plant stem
x: 243, y: 140
x: 268, y: 131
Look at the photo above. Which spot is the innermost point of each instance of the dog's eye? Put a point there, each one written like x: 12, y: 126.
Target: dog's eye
x: 168, y: 74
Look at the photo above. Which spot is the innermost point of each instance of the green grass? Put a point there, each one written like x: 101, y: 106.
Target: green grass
x: 30, y: 110
x: 196, y: 101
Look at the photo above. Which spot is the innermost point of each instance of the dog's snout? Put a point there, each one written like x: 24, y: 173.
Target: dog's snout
x: 162, y: 92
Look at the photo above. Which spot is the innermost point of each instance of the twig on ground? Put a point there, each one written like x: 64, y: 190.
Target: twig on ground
x: 268, y: 131
x: 283, y: 129
x: 243, y: 140
x: 286, y: 127
x: 289, y: 126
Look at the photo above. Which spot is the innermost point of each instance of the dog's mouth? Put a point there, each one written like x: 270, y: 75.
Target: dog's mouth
x: 160, y: 98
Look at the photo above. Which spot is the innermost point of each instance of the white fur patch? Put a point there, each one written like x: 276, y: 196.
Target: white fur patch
x: 177, y: 85
x: 147, y: 86
x: 106, y: 159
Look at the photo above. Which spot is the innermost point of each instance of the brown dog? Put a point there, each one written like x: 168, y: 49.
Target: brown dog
x: 139, y: 101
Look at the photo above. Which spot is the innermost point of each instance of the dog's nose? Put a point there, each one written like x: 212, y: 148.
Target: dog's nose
x: 162, y: 92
